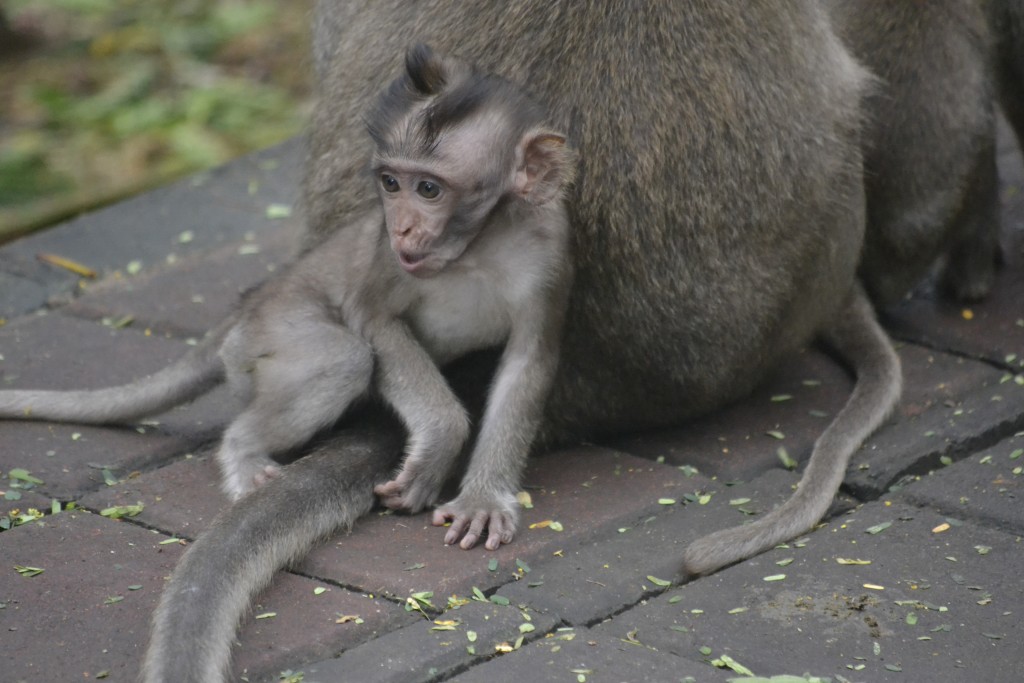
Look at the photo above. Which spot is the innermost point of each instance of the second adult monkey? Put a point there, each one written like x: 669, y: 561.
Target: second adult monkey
x: 470, y: 250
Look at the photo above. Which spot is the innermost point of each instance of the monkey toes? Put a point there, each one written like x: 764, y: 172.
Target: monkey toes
x: 410, y: 494
x: 242, y: 480
x: 471, y: 520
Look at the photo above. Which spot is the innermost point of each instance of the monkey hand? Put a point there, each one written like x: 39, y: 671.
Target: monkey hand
x: 473, y: 513
x: 412, y: 490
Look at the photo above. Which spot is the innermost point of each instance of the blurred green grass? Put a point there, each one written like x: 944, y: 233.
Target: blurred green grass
x: 100, y: 99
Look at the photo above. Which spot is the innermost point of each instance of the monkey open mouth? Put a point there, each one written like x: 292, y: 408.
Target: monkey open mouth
x: 411, y: 262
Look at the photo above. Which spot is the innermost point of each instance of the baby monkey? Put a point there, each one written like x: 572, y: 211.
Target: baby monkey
x: 469, y: 248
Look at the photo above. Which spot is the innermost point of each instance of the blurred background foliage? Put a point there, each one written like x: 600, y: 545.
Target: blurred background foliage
x: 100, y: 99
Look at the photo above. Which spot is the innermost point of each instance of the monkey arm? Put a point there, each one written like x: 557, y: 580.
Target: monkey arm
x: 409, y: 380
x: 514, y: 410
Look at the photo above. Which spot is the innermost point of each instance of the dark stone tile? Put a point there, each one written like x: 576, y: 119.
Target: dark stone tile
x: 192, y: 295
x: 608, y: 574
x: 595, y: 657
x: 67, y: 623
x: 928, y: 607
x: 59, y: 352
x: 422, y: 652
x: 987, y: 487
x: 218, y: 207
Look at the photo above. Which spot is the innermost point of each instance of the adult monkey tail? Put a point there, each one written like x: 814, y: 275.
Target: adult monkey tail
x: 859, y: 340
x: 217, y: 578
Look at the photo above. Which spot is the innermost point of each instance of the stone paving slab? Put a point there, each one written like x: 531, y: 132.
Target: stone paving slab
x: 19, y: 295
x: 304, y: 626
x: 81, y: 616
x: 69, y: 458
x: 217, y: 207
x: 422, y: 651
x: 181, y: 498
x: 84, y: 615
x: 967, y: 409
x: 929, y: 606
x: 595, y: 657
x: 604, y: 576
x: 987, y: 487
x: 587, y: 490
x: 190, y: 296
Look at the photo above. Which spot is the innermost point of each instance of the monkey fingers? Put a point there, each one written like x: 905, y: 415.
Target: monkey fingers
x: 471, y: 518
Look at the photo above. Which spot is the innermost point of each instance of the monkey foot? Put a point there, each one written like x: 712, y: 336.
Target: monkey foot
x: 410, y: 494
x: 244, y: 479
x: 471, y: 518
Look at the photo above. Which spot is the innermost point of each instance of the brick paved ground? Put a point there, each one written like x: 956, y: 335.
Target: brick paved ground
x: 915, y: 576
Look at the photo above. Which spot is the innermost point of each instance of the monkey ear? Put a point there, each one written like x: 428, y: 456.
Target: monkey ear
x: 425, y: 69
x: 545, y: 167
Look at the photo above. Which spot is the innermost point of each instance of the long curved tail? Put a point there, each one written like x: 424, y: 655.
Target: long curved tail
x: 216, y: 580
x: 190, y: 376
x: 858, y: 339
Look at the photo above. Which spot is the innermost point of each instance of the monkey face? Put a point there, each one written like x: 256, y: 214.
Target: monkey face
x: 428, y: 220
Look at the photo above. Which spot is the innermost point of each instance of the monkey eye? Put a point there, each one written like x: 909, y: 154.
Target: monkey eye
x: 389, y: 182
x: 428, y: 190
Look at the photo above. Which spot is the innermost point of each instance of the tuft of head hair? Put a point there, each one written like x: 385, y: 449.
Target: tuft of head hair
x: 441, y: 92
x: 424, y: 69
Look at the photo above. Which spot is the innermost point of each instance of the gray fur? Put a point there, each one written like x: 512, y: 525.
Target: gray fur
x: 929, y: 164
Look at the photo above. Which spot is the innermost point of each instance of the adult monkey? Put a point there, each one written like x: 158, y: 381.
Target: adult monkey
x: 718, y: 218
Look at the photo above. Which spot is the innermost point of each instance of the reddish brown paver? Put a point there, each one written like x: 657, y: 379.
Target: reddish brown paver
x: 191, y: 296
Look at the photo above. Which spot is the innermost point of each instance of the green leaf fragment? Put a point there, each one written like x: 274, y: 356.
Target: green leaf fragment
x: 19, y: 474
x: 279, y: 211
x: 266, y: 615
x: 878, y: 528
x: 775, y: 577
x: 666, y: 501
x: 492, y: 565
x: 119, y: 511
x: 785, y: 458
x: 775, y: 434
x: 725, y: 661
x: 28, y: 572
x: 500, y: 600
x: 523, y: 567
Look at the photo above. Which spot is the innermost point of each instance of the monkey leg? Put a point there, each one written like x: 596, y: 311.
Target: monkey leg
x: 409, y: 380
x: 298, y: 390
x: 970, y: 268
